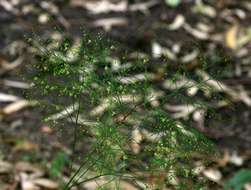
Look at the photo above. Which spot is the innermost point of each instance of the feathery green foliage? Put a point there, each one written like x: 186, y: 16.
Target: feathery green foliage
x: 114, y: 103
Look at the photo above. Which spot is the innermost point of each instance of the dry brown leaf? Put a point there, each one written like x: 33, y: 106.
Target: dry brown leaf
x: 236, y: 159
x: 27, y: 146
x: 46, y: 129
x: 15, y: 106
x: 201, y: 35
x: 28, y: 167
x: 247, y: 5
x: 108, y: 23
x: 98, y: 110
x: 43, y: 18
x: 240, y: 95
x: 26, y: 9
x: 158, y: 51
x: 93, y: 185
x: 177, y: 23
x: 189, y: 57
x: 102, y: 6
x: 223, y: 161
x: 8, y: 98
x: 231, y: 37
x: 5, y: 167
x: 143, y: 6
x: 204, y: 27
x: 26, y: 182
x: 136, y: 78
x: 204, y: 9
x: 127, y: 186
x: 31, y: 177
x: 5, y: 66
x: 16, y: 84
x: 9, y: 6
x: 180, y: 111
x: 247, y: 186
x: 136, y: 139
x: 213, y: 174
x: 46, y: 183
x: 240, y: 13
x: 54, y: 10
x: 106, y: 6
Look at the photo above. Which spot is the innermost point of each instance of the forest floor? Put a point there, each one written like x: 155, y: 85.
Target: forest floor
x: 218, y: 29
